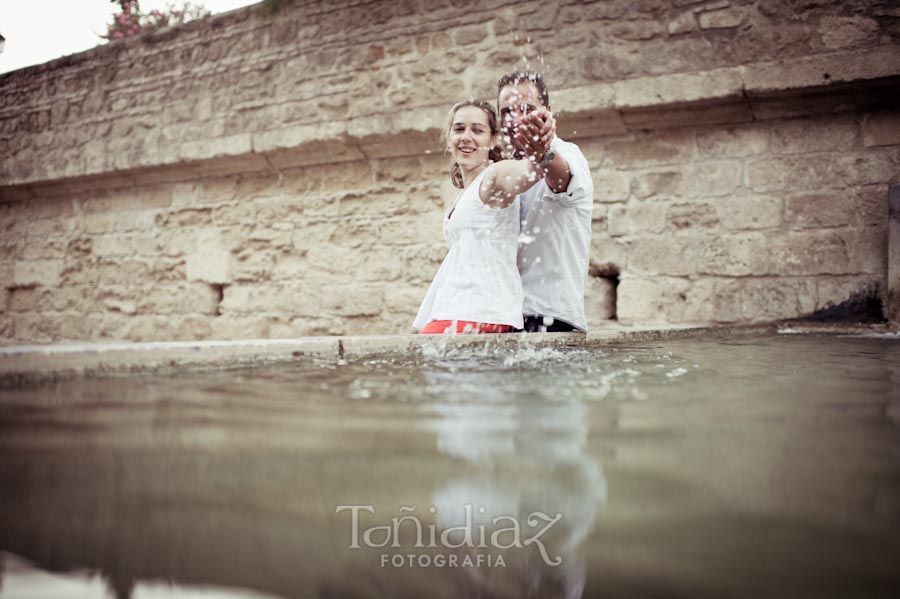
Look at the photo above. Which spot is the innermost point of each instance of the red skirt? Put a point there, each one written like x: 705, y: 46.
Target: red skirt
x: 439, y: 327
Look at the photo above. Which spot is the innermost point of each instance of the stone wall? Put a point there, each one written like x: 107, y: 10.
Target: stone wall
x: 253, y: 175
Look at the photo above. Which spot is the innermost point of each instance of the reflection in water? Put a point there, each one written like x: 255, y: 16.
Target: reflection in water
x: 528, y: 467
x: 747, y: 468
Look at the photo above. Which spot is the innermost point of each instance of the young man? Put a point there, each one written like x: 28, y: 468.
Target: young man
x: 556, y: 213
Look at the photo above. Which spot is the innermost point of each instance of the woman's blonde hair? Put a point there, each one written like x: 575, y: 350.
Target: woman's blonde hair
x: 494, y: 154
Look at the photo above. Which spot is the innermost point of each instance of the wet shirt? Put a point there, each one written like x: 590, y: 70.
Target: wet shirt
x: 555, y: 240
x: 478, y: 279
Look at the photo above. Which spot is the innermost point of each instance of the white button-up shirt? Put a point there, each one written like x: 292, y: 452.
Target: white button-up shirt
x: 554, y: 242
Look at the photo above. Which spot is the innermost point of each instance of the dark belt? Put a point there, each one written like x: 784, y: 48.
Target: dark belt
x: 535, y: 324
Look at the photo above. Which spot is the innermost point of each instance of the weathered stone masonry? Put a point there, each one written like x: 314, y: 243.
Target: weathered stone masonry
x: 254, y: 176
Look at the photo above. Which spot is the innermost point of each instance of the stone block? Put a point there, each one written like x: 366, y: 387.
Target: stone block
x: 638, y: 218
x: 220, y: 190
x: 356, y: 233
x: 290, y: 299
x: 750, y: 212
x: 712, y: 178
x: 845, y: 32
x: 374, y: 205
x: 666, y: 255
x: 126, y: 244
x: 404, y: 299
x: 125, y: 307
x: 792, y: 137
x: 344, y: 300
x: 599, y: 218
x: 255, y: 326
x: 798, y: 172
x: 870, y: 205
x: 657, y: 183
x: 51, y: 207
x: 4, y: 299
x: 608, y: 252
x: 50, y: 227
x: 470, y: 34
x: 696, y: 304
x: 876, y: 165
x: 43, y: 249
x: 682, y: 23
x: 290, y: 266
x: 610, y: 185
x: 813, y: 252
x: 635, y: 31
x: 691, y: 215
x: 212, y: 265
x: 756, y: 44
x: 135, y: 220
x: 7, y: 329
x: 732, y: 141
x: 313, y: 234
x: 205, y: 149
x: 775, y: 298
x: 881, y: 129
x: 831, y: 208
x: 277, y: 236
x: 25, y: 299
x: 726, y: 18
x: 736, y: 255
x: 639, y: 301
x: 422, y: 228
x: 110, y: 201
x: 37, y: 272
x: 254, y: 264
x: 377, y: 265
x: 186, y: 194
x: 420, y: 263
x: 74, y: 299
x: 32, y: 328
x: 868, y: 248
x: 180, y: 218
x: 74, y: 327
x: 650, y: 149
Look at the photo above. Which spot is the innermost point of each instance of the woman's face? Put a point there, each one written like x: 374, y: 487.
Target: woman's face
x: 470, y: 137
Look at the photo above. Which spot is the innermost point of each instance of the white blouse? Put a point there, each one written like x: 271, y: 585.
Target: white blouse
x: 478, y: 279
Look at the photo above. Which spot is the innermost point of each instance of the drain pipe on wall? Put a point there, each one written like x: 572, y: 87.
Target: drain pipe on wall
x: 893, y: 294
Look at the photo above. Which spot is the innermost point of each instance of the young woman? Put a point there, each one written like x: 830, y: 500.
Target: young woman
x: 477, y: 288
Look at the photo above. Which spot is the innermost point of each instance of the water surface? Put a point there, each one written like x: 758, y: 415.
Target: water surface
x: 756, y: 466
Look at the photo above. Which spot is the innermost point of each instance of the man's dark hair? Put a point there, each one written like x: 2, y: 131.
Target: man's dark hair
x: 517, y: 77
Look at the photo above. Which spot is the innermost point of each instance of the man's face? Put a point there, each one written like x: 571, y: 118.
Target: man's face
x: 515, y: 102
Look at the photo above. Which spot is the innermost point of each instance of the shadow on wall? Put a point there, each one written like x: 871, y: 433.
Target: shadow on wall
x: 607, y: 275
x: 863, y: 306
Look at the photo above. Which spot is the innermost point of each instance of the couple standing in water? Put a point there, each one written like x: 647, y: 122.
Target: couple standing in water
x: 519, y: 231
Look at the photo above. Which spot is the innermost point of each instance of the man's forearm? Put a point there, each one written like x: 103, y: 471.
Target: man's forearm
x: 557, y: 174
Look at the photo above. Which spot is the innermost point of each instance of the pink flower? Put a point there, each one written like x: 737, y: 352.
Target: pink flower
x: 118, y: 35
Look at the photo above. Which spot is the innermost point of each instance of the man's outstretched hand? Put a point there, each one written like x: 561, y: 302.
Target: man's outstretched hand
x: 535, y: 132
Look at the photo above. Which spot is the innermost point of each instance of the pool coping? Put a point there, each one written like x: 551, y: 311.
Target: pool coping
x: 60, y: 361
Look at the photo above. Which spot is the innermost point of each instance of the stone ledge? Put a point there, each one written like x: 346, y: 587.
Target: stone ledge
x: 25, y: 364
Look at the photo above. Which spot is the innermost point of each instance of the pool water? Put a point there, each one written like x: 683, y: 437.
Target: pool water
x: 747, y: 467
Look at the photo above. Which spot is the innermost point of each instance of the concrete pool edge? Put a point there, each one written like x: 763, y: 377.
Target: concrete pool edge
x: 48, y: 362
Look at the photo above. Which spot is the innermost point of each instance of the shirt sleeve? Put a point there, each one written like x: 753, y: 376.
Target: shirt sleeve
x: 581, y: 186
